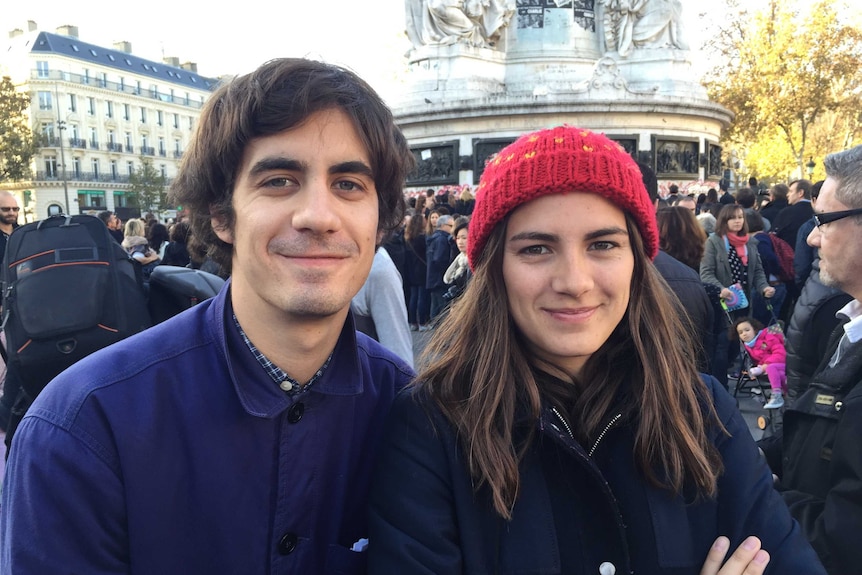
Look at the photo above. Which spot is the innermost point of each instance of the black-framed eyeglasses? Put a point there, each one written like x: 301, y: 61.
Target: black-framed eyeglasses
x: 9, y: 209
x: 828, y: 217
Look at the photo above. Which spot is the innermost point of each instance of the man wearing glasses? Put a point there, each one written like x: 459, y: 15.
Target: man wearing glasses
x: 8, y: 218
x: 821, y: 467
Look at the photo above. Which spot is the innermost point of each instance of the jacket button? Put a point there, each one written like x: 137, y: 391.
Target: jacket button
x: 288, y: 543
x: 607, y: 568
x: 294, y: 414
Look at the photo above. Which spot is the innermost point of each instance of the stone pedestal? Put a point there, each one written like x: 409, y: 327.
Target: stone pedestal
x: 462, y: 103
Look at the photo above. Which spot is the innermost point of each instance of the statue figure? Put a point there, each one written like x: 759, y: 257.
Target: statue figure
x: 443, y: 22
x: 632, y: 24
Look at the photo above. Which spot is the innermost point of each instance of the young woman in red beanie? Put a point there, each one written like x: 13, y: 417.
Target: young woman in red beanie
x: 560, y: 426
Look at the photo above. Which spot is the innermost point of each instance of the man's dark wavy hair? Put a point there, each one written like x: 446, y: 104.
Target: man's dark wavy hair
x: 278, y: 96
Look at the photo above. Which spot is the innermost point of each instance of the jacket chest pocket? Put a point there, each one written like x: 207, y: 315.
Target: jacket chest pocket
x: 342, y: 561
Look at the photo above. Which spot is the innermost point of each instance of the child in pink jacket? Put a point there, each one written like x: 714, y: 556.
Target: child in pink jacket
x: 768, y: 352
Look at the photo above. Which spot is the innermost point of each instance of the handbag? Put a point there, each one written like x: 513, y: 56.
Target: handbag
x: 738, y: 298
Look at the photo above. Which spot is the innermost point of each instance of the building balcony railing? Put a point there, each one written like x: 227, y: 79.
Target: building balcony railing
x: 114, y: 147
x: 148, y: 151
x: 94, y: 145
x: 55, y: 75
x: 44, y: 141
x: 129, y: 148
x: 178, y: 154
x: 163, y: 153
x: 78, y: 143
x: 72, y: 176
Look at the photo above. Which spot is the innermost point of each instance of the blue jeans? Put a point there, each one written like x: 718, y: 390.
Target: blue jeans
x: 759, y: 310
x: 438, y: 304
x: 417, y: 305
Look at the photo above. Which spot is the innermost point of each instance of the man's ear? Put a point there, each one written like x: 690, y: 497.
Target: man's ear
x: 221, y: 229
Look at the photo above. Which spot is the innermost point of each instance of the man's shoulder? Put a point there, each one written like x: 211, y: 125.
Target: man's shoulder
x: 379, y: 360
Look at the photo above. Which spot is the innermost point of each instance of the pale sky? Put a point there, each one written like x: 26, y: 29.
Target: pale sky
x: 235, y: 37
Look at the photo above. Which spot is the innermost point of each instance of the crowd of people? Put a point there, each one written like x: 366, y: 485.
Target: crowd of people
x: 571, y: 412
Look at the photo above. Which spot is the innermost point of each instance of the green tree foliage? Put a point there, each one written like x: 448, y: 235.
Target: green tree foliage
x: 148, y: 187
x: 16, y: 140
x: 792, y: 74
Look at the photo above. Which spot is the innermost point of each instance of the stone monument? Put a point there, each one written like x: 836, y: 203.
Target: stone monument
x: 482, y: 72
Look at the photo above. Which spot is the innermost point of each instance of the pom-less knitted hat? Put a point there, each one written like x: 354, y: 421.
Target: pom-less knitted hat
x: 559, y: 160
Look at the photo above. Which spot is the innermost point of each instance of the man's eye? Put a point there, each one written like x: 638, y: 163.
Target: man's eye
x: 348, y: 186
x: 277, y: 183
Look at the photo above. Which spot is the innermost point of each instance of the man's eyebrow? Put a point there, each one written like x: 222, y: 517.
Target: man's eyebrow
x: 354, y: 167
x: 276, y: 163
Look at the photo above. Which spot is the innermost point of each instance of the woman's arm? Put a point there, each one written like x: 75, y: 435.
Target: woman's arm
x: 709, y: 263
x: 412, y: 527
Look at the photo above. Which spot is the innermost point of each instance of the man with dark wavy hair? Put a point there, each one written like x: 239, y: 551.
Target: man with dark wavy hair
x: 236, y: 437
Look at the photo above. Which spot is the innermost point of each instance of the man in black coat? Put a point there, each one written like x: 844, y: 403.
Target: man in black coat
x: 788, y: 221
x: 821, y: 465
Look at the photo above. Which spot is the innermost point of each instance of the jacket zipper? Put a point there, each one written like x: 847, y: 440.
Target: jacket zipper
x: 607, y: 428
x: 565, y: 423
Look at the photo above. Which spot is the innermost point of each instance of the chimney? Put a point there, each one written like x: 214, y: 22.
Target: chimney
x: 123, y: 46
x: 189, y: 67
x: 15, y: 33
x: 67, y: 30
x: 171, y: 61
x: 31, y: 25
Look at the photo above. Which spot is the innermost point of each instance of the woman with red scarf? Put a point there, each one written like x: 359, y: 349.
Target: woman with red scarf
x: 731, y: 259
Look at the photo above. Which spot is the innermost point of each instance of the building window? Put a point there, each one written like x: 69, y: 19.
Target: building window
x: 86, y: 76
x: 50, y: 166
x: 177, y: 121
x: 103, y: 79
x: 160, y: 119
x: 154, y: 91
x: 94, y: 139
x: 162, y: 150
x: 130, y: 167
x: 76, y: 166
x: 191, y: 124
x: 111, y: 140
x: 178, y: 150
x: 73, y: 133
x: 143, y: 115
x: 164, y: 170
x: 91, y: 199
x: 45, y: 102
x: 73, y: 103
x: 120, y: 200
x: 127, y: 112
x: 186, y: 100
x: 91, y: 105
x: 137, y: 87
x: 109, y: 109
x: 42, y: 69
x: 122, y: 85
x: 128, y: 141
x: 48, y: 133
x: 95, y: 164
x: 114, y: 173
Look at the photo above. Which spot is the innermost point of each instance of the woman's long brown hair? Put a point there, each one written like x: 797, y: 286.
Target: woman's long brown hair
x: 481, y: 377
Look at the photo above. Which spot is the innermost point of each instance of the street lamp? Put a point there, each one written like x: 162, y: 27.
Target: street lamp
x: 810, y: 167
x: 61, y: 125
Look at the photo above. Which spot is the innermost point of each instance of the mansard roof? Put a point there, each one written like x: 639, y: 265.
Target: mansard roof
x: 119, y: 60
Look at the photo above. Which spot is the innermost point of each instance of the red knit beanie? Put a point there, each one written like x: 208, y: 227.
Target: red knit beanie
x: 559, y: 160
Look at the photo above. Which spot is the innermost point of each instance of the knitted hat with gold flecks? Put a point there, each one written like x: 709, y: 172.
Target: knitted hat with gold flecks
x: 559, y: 160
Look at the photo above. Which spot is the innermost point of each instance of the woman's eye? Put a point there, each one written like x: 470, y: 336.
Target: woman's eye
x: 535, y: 250
x: 603, y: 246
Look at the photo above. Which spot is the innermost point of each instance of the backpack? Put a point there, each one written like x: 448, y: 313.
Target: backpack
x: 784, y: 254
x: 175, y: 289
x: 69, y: 289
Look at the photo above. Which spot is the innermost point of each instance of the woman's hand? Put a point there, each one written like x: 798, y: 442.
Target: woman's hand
x: 768, y: 292
x: 725, y: 294
x: 748, y: 559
